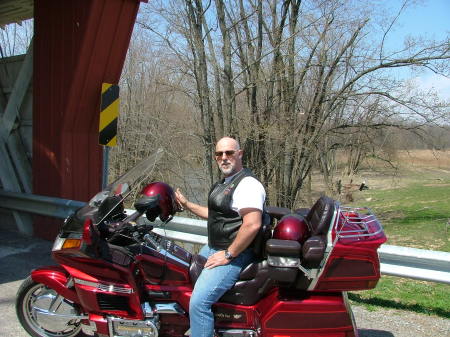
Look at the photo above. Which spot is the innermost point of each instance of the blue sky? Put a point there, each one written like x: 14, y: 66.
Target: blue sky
x: 429, y: 19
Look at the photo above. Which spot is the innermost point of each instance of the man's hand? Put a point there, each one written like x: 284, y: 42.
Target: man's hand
x: 180, y: 198
x: 198, y: 210
x: 217, y: 259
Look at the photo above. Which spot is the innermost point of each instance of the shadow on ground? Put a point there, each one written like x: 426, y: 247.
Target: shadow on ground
x: 383, y: 303
x: 19, y: 254
x: 374, y: 333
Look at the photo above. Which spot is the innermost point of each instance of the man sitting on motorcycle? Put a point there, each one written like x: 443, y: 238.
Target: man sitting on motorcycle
x: 234, y: 214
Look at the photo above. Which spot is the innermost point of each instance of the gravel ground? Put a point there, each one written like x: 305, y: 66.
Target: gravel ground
x: 399, y: 323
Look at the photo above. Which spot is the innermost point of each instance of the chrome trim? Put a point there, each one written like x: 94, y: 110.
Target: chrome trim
x: 93, y: 326
x: 57, y: 245
x: 365, y: 217
x: 148, y: 324
x: 328, y: 249
x: 86, y: 283
x: 56, y: 315
x: 147, y: 310
x: 115, y: 289
x: 70, y: 282
x: 57, y: 301
x: 104, y: 287
x: 237, y: 333
x: 169, y: 308
x: 310, y: 273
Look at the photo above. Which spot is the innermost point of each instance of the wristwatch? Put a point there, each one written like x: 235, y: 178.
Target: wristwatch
x: 228, y: 255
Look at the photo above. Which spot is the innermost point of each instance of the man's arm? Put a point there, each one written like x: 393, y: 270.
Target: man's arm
x: 198, y: 210
x: 251, y: 222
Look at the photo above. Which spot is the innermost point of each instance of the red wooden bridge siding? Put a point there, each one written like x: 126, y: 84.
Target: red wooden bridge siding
x: 78, y: 45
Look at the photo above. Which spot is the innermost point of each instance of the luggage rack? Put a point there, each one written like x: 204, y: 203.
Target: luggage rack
x: 356, y: 222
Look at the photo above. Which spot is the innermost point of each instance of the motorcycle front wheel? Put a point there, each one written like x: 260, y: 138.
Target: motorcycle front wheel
x: 44, y: 313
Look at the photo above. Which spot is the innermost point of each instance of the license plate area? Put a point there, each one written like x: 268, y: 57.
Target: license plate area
x: 129, y: 328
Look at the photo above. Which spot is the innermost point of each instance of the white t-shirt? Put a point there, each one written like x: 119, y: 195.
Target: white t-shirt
x: 249, y: 193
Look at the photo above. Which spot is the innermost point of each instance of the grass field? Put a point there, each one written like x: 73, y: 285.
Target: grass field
x: 415, y: 215
x: 413, y: 204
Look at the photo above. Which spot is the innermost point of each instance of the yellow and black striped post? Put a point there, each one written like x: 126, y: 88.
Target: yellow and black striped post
x: 109, y: 113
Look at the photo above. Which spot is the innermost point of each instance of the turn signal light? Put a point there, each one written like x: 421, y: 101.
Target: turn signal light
x: 71, y: 243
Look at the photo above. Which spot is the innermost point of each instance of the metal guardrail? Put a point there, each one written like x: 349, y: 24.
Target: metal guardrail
x: 421, y: 264
x: 38, y: 204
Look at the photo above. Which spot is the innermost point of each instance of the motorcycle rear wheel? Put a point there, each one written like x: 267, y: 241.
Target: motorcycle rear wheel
x: 32, y: 297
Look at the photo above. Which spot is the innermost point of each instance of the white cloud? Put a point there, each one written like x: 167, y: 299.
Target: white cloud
x: 436, y: 83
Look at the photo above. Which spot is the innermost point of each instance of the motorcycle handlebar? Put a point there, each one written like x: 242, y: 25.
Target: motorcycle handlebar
x: 148, y: 239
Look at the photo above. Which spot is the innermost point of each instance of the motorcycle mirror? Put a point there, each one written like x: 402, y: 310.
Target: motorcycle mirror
x: 121, y: 189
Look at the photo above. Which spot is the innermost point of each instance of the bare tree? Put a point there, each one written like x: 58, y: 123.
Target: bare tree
x: 297, y: 82
x: 15, y: 38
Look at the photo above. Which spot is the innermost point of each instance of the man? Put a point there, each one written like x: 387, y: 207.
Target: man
x: 234, y: 215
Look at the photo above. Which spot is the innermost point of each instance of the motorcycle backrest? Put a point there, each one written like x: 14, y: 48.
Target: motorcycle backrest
x: 320, y: 215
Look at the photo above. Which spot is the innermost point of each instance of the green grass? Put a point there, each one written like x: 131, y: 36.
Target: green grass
x: 413, y: 216
x: 397, y: 293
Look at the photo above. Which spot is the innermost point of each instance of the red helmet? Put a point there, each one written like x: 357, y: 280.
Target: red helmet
x: 163, y: 201
x: 291, y: 227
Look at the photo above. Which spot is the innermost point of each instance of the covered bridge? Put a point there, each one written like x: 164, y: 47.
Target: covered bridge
x: 50, y: 99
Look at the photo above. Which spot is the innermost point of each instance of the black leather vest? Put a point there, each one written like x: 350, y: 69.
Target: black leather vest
x: 223, y: 222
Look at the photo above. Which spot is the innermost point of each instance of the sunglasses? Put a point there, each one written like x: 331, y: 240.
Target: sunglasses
x: 219, y: 154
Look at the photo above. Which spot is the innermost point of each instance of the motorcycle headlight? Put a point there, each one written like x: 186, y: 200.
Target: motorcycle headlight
x: 66, y: 243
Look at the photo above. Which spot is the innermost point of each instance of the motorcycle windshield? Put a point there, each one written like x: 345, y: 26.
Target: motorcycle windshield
x: 128, y: 183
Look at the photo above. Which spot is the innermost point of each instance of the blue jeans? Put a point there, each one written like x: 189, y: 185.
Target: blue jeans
x: 210, y: 286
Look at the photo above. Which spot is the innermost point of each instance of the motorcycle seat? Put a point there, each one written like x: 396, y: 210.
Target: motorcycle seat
x: 254, y: 281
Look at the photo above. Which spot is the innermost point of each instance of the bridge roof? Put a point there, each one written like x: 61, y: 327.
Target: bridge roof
x: 12, y: 11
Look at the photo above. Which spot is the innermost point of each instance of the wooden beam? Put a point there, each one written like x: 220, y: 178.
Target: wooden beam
x: 11, y: 183
x: 15, y: 168
x: 19, y: 90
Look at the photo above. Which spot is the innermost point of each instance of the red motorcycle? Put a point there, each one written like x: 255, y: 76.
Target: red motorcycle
x: 118, y: 276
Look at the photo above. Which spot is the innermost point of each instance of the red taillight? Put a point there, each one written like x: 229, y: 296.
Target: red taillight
x: 87, y: 237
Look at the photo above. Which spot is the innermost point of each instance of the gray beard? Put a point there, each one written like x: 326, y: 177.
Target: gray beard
x: 227, y: 171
